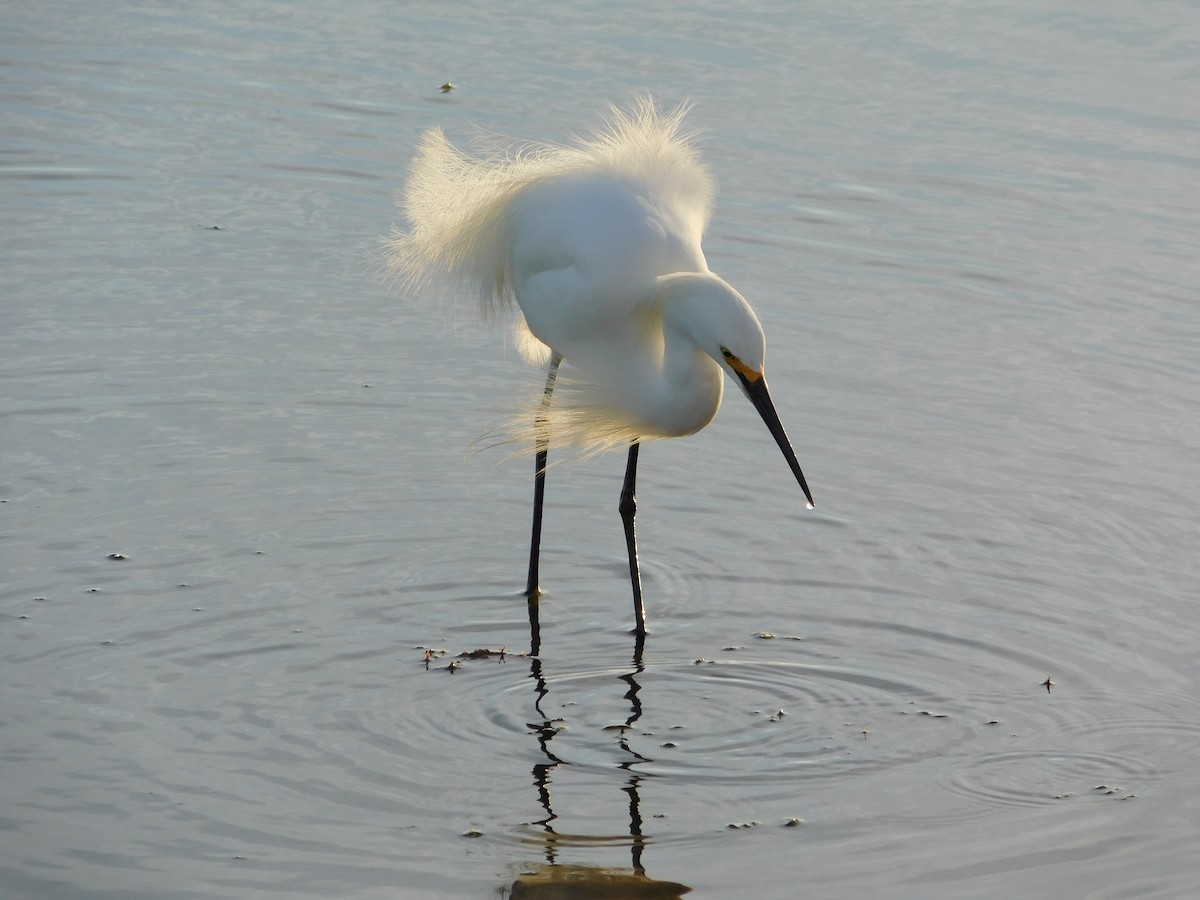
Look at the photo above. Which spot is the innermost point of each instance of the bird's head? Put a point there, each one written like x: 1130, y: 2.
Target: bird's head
x: 722, y: 324
x: 719, y: 320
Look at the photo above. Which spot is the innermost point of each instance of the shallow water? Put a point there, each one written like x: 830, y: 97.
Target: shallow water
x: 970, y: 234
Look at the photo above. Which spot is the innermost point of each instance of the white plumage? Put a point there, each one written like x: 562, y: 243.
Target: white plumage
x: 598, y: 245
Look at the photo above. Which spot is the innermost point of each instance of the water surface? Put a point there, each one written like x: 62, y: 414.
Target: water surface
x: 242, y: 491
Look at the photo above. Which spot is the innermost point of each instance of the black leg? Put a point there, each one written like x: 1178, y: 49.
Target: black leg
x: 628, y: 509
x: 539, y: 491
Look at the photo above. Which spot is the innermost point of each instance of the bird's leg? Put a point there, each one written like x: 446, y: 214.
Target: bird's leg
x: 628, y: 509
x: 539, y: 491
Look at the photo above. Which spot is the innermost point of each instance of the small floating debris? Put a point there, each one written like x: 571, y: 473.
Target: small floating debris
x: 764, y: 635
x: 1112, y: 791
x: 431, y: 654
x: 117, y: 556
x: 472, y: 833
x: 484, y: 653
x: 933, y: 715
x: 618, y: 726
x: 776, y: 716
x: 446, y: 88
x: 1048, y: 683
x: 793, y: 823
x: 737, y: 825
x: 668, y: 745
x: 992, y: 722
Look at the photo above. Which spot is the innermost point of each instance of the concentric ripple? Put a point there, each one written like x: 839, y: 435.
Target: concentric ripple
x: 1096, y: 748
x: 724, y: 720
x: 1034, y: 777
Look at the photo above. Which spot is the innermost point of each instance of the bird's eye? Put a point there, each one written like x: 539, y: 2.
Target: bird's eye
x: 725, y: 352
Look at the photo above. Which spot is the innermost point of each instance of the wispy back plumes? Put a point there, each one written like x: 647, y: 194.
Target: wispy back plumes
x: 461, y: 207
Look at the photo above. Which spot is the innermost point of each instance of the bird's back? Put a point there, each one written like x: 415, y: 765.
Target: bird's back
x: 588, y: 247
x: 569, y: 233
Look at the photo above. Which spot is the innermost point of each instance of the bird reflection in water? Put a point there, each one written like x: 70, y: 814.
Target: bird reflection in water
x: 558, y: 881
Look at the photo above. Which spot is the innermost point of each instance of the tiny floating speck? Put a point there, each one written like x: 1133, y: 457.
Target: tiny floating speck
x: 764, y: 635
x: 472, y: 833
x: 117, y: 556
x: 446, y: 88
x: 793, y: 823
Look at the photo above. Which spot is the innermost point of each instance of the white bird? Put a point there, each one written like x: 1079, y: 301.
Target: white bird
x: 598, y: 245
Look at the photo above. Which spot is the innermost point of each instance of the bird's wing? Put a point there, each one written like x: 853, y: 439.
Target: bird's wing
x: 588, y: 248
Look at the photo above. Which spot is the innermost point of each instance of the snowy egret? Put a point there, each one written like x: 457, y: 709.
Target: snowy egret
x: 598, y: 246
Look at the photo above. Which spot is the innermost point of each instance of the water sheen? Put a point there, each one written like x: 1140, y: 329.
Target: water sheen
x: 245, y: 487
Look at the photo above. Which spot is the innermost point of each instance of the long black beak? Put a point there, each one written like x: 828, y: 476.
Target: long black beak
x: 756, y: 390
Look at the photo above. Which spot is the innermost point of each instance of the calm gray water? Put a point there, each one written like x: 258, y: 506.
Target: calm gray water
x: 970, y: 231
